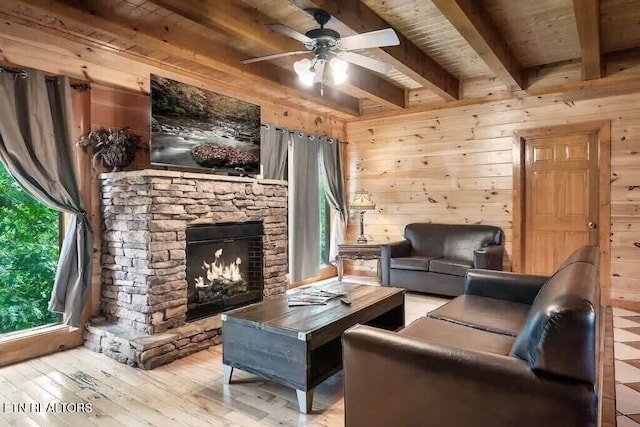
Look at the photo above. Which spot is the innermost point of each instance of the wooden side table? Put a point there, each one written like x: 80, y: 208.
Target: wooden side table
x: 357, y: 251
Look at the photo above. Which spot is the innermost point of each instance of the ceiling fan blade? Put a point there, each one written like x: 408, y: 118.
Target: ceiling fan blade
x: 290, y: 32
x: 319, y: 71
x: 277, y: 55
x: 366, y: 62
x: 380, y: 38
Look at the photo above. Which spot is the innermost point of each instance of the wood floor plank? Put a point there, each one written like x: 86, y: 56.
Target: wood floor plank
x: 78, y: 418
x: 187, y: 392
x: 118, y: 413
x: 188, y: 414
x: 25, y: 422
x: 22, y: 385
x: 150, y: 414
x: 40, y: 418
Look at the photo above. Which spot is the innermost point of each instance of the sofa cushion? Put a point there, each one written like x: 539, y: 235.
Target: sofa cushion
x: 419, y: 263
x: 449, y: 266
x: 559, y: 335
x: 426, y: 239
x: 426, y: 281
x: 455, y: 335
x: 489, y: 314
x: 462, y: 240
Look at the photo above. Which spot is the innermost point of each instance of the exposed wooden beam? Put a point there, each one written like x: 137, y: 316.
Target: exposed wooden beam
x: 406, y: 57
x: 236, y: 21
x: 588, y: 20
x: 180, y: 43
x: 476, y: 27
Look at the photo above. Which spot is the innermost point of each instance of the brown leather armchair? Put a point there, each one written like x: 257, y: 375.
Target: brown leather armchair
x: 515, y: 350
x: 435, y: 258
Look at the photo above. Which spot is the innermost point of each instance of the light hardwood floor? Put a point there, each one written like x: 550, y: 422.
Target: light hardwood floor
x: 189, y: 391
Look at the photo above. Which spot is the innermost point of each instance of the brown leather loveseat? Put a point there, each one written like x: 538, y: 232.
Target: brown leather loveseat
x: 514, y: 350
x: 435, y: 258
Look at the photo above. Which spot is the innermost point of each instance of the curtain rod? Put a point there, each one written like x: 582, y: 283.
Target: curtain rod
x: 268, y: 126
x: 24, y: 74
x: 283, y: 130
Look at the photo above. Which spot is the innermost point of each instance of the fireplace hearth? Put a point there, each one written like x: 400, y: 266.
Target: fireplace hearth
x: 224, y: 267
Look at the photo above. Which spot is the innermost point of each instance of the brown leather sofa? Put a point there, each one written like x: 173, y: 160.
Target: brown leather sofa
x: 514, y: 350
x: 435, y: 258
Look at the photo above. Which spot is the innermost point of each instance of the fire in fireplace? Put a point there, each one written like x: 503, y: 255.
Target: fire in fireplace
x: 224, y: 267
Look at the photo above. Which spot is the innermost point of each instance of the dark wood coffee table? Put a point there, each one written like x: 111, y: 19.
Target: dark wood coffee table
x: 300, y: 347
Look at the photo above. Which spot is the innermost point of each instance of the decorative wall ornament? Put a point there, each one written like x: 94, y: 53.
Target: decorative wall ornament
x: 114, y: 148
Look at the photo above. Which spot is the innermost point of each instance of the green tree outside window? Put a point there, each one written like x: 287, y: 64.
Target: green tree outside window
x: 29, y: 248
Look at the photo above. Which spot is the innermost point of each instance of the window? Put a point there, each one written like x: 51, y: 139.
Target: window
x: 29, y: 248
x: 325, y: 219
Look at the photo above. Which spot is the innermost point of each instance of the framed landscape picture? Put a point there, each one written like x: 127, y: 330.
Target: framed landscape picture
x: 200, y: 129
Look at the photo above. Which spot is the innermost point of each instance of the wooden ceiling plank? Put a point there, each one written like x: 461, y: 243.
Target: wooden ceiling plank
x: 475, y: 25
x: 184, y: 44
x: 588, y: 20
x: 89, y: 61
x: 239, y: 22
x: 406, y: 57
x: 93, y: 58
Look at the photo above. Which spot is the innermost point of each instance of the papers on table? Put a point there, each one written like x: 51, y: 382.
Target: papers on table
x: 313, y: 297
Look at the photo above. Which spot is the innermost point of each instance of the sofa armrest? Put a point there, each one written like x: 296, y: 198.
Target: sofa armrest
x: 395, y: 380
x: 504, y: 285
x: 489, y: 257
x: 388, y: 251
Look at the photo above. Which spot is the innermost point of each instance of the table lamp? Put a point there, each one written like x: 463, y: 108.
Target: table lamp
x: 362, y: 202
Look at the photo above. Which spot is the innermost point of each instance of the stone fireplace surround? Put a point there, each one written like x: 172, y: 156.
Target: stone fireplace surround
x: 143, y: 257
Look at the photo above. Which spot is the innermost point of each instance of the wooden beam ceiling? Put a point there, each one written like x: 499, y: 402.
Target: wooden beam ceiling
x: 588, y: 20
x: 182, y: 43
x: 241, y: 23
x: 406, y: 57
x: 474, y: 24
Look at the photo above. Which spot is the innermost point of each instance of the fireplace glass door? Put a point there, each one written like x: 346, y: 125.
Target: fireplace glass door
x: 224, y: 267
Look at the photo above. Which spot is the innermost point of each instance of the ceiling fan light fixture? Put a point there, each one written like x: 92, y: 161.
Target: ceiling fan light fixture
x: 328, y: 46
x: 339, y: 70
x: 303, y: 70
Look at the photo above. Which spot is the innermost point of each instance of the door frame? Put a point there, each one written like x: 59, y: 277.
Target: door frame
x: 603, y: 131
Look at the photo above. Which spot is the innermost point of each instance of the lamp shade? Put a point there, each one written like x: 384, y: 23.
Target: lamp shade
x: 362, y: 201
x: 303, y: 70
x: 338, y: 70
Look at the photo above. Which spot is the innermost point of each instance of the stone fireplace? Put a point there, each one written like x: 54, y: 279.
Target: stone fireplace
x: 177, y: 249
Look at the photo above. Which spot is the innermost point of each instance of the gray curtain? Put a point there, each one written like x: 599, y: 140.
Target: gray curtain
x: 37, y: 148
x: 335, y: 190
x: 273, y: 152
x: 304, y: 213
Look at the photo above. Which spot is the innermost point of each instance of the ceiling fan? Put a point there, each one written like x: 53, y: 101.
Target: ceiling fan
x: 327, y: 46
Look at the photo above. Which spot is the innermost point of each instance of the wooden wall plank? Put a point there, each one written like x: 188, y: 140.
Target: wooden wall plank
x: 462, y: 152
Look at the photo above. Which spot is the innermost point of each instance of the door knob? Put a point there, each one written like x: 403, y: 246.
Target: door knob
x: 591, y: 224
